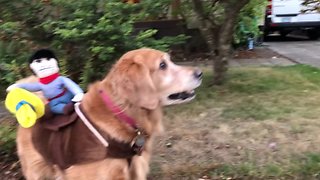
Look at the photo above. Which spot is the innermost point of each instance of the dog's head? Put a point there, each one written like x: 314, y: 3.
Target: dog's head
x: 148, y: 78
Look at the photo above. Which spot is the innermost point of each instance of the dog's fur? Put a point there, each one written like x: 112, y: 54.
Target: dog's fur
x: 140, y: 87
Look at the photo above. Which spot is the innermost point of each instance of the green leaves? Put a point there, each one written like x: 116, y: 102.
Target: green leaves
x: 7, y: 139
x: 88, y: 35
x: 9, y: 27
x: 12, y: 64
x: 248, y: 22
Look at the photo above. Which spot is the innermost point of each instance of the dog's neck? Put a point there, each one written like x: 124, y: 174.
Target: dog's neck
x: 148, y: 121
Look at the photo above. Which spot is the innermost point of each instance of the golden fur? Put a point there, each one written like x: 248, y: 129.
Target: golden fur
x: 140, y: 88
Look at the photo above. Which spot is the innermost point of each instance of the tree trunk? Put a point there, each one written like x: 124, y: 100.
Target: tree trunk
x: 206, y: 27
x: 174, y: 9
x: 219, y: 36
x: 223, y: 49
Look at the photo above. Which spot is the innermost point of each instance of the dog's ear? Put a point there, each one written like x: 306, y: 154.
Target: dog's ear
x: 137, y: 85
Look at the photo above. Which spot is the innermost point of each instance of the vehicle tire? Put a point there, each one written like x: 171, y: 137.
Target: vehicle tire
x: 284, y: 33
x: 313, y: 34
x: 266, y: 28
x: 265, y: 34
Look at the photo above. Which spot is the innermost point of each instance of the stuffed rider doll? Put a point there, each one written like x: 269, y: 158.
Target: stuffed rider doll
x: 58, y: 90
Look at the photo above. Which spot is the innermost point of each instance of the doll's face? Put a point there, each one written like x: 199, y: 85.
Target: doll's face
x: 44, y: 67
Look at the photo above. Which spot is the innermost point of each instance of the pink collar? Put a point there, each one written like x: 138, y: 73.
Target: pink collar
x: 49, y: 79
x: 117, y: 110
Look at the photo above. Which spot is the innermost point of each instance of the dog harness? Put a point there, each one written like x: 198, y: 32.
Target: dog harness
x: 139, y: 141
x: 137, y: 144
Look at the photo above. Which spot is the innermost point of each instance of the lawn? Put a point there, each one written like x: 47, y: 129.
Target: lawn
x: 263, y: 123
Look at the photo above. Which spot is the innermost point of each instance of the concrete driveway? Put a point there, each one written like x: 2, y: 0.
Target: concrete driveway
x: 296, y: 48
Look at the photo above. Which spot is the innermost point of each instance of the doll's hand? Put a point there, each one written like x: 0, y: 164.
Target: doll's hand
x: 12, y: 86
x: 77, y: 97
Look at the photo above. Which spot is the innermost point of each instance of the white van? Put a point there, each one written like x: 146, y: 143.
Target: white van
x: 286, y: 16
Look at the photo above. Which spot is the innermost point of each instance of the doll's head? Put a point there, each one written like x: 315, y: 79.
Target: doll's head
x: 44, y: 63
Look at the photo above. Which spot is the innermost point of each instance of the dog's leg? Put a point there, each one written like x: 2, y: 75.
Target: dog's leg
x: 108, y: 169
x: 139, y: 167
x: 33, y: 165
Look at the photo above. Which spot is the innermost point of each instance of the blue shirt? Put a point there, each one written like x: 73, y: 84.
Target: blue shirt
x: 53, y: 88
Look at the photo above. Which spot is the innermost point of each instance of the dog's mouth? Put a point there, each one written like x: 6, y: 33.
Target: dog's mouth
x: 182, y: 95
x: 185, y: 95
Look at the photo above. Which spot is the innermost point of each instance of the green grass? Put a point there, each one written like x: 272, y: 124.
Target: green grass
x: 305, y: 166
x: 289, y: 95
x: 261, y: 93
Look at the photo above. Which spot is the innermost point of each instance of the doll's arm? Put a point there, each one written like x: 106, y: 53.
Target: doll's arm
x: 74, y: 89
x: 33, y: 87
x: 71, y: 86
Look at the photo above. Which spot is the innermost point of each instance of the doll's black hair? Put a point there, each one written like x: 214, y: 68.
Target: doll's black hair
x: 42, y: 53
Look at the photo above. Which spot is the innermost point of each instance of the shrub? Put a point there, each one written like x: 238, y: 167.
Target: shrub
x: 248, y: 22
x: 7, y: 139
x: 87, y: 34
x: 12, y: 64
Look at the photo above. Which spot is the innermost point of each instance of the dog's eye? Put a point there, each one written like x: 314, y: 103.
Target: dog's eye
x: 163, y: 65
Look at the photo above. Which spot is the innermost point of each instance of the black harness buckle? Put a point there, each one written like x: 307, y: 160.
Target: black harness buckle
x: 138, y: 142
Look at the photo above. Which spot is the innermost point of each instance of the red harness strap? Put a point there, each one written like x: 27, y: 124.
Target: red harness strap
x: 117, y: 110
x: 138, y: 142
x: 59, y: 95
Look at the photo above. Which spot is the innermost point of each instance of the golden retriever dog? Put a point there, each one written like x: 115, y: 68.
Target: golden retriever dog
x: 140, y: 83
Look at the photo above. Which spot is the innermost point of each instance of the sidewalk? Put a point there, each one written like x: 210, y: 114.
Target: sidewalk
x: 261, y: 62
x: 303, y: 52
x: 276, y: 61
x: 260, y: 56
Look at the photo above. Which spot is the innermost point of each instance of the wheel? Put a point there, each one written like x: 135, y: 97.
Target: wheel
x: 313, y: 34
x: 266, y: 32
x: 284, y: 33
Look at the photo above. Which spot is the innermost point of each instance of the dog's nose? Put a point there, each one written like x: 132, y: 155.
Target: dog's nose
x: 197, y: 74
